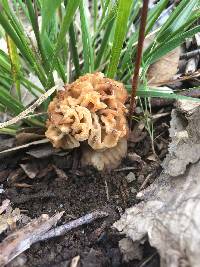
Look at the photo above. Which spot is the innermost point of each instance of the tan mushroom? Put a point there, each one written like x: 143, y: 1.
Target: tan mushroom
x: 90, y: 113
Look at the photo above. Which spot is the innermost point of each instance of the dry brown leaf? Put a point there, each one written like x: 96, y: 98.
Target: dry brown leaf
x: 13, y: 150
x: 31, y: 169
x: 24, y: 138
x: 42, y: 151
x: 165, y: 68
x: 5, y: 205
x: 16, y: 176
x: 60, y: 173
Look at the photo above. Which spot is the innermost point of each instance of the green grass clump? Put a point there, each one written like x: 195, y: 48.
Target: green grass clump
x: 68, y: 40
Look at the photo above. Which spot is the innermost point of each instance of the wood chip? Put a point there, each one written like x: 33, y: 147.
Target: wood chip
x: 8, y: 216
x: 75, y: 261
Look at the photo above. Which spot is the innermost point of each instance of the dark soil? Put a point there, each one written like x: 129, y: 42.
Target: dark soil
x: 55, y: 187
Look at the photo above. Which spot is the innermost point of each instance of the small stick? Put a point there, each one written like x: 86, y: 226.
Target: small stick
x: 38, y: 230
x: 138, y: 59
x: 124, y: 169
x: 20, y: 240
x: 145, y: 181
x: 63, y: 229
x: 107, y: 191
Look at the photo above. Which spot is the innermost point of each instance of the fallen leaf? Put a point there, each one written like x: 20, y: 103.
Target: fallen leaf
x: 134, y: 157
x: 5, y: 205
x: 152, y: 157
x: 24, y: 138
x: 42, y: 151
x: 7, y: 143
x: 31, y: 169
x: 11, y: 151
x: 137, y: 134
x: 165, y: 68
x: 22, y: 185
x: 15, y: 176
x: 60, y: 173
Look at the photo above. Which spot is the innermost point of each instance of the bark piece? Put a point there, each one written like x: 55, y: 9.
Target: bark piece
x: 130, y: 250
x: 169, y: 213
x: 185, y: 133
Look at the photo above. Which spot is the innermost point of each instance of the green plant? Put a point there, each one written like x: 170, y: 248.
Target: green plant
x: 61, y: 46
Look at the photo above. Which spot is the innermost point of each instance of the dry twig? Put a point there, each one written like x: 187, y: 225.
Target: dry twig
x: 21, y: 240
x: 30, y: 109
x: 63, y: 229
x: 38, y: 230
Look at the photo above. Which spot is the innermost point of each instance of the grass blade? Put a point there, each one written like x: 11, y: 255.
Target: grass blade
x: 10, y: 102
x: 95, y: 13
x: 15, y: 64
x: 144, y: 91
x: 68, y: 17
x: 120, y: 31
x: 129, y: 52
x: 14, y: 29
x: 88, y: 53
x: 104, y: 44
x: 48, y: 10
x: 179, y: 16
x: 74, y: 50
x: 170, y: 45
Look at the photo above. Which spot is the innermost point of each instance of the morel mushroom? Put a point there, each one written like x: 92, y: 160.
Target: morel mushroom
x: 90, y: 113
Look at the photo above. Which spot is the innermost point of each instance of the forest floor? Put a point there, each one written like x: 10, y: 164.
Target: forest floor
x: 40, y: 180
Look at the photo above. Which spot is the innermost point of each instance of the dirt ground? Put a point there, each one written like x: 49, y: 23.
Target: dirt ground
x: 52, y: 182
